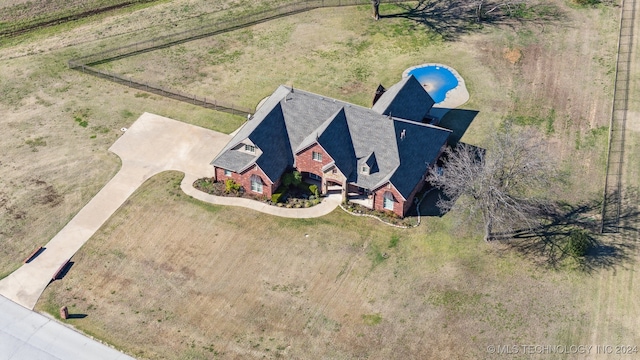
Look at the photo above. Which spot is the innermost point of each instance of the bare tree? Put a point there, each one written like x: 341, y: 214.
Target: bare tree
x: 503, y: 185
x: 376, y: 9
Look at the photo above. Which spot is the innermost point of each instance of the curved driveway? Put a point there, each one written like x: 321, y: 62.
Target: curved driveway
x: 153, y: 144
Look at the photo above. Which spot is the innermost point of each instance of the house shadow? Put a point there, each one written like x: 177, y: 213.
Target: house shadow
x: 435, y: 203
x: 547, y: 245
x: 429, y: 205
x: 458, y: 121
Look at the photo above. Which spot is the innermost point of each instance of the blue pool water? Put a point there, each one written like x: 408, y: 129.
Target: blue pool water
x: 436, y: 79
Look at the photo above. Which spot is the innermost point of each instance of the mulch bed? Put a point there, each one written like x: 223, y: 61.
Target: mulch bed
x: 295, y: 200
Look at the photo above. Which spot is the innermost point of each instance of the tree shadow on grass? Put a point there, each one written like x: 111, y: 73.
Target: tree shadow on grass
x: 453, y: 18
x: 549, y: 244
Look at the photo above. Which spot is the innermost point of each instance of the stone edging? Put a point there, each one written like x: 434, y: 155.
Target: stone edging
x: 390, y: 224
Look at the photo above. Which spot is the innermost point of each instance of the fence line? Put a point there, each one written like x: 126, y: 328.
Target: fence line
x: 162, y: 91
x: 87, y: 63
x: 43, y: 21
x: 612, y: 196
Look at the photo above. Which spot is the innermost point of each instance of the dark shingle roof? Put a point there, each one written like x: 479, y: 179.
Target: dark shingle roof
x: 235, y: 160
x: 292, y: 120
x: 405, y: 100
x: 268, y: 133
x: 336, y: 140
x: 418, y: 146
x: 271, y: 137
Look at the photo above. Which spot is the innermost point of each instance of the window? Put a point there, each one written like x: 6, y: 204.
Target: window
x: 365, y: 170
x: 316, y: 156
x: 256, y: 184
x: 314, y: 176
x: 249, y: 148
x: 227, y: 172
x: 334, y: 171
x: 388, y: 200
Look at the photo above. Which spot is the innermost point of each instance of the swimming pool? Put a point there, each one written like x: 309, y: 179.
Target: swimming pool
x: 437, y: 79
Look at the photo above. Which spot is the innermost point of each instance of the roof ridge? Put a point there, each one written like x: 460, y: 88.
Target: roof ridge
x: 435, y: 127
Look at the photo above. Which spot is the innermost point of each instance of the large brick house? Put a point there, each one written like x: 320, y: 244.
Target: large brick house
x: 376, y: 156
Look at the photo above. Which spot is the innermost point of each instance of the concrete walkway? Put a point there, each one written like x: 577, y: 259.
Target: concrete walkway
x: 152, y: 145
x: 25, y: 334
x: 327, y: 205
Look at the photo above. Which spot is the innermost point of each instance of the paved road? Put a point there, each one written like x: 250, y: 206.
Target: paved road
x: 25, y: 334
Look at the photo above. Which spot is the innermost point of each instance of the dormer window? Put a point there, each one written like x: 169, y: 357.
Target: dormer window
x: 364, y: 170
x: 249, y: 148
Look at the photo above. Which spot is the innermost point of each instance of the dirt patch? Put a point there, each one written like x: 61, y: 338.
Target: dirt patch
x: 512, y: 55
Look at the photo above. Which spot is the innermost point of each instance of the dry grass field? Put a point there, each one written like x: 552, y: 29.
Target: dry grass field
x: 169, y: 277
x: 188, y: 280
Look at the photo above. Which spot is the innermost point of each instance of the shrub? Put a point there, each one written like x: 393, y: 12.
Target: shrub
x: 287, y: 179
x: 292, y: 179
x: 297, y: 178
x: 275, y: 198
x: 579, y: 243
x: 231, y: 186
x: 307, y: 188
x: 314, y: 190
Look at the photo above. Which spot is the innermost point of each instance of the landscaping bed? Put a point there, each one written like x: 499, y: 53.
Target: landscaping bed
x: 300, y: 196
x: 385, y: 216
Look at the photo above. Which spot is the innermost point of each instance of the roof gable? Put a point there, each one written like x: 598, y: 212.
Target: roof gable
x: 271, y: 137
x: 406, y: 100
x: 336, y: 140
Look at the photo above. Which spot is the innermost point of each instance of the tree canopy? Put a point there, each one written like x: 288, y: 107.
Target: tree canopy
x: 504, y: 185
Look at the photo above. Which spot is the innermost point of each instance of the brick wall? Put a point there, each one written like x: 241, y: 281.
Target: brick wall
x: 305, y: 162
x: 378, y: 200
x: 244, y: 179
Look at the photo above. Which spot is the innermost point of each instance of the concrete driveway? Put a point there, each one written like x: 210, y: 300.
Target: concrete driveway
x: 153, y: 144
